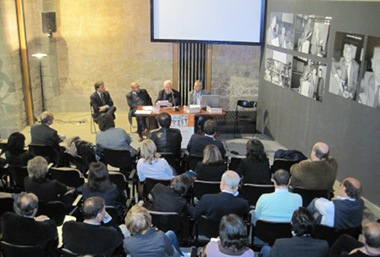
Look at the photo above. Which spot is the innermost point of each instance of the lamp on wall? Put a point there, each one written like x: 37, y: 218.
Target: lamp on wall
x: 39, y: 56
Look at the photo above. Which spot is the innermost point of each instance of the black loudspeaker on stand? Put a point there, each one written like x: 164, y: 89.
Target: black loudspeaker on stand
x: 49, y: 24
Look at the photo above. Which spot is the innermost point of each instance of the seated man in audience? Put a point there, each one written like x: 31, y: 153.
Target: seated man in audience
x: 23, y: 228
x: 301, y: 244
x: 349, y: 246
x: 168, y: 140
x: 279, y: 205
x: 138, y: 97
x: 101, y: 101
x: 318, y: 173
x: 344, y: 212
x: 215, y: 206
x: 97, y: 235
x: 198, y: 142
x: 169, y: 94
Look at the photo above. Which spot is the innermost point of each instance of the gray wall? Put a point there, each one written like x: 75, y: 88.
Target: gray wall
x: 352, y: 130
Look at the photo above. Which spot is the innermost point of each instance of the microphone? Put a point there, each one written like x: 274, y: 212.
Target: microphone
x: 174, y: 103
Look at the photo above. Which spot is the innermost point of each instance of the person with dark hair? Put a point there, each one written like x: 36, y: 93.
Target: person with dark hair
x: 138, y: 97
x: 318, y: 173
x: 255, y: 167
x: 16, y: 153
x: 99, y: 184
x: 168, y: 140
x: 169, y: 94
x: 212, y: 167
x: 111, y: 137
x: 97, y: 235
x: 232, y: 241
x: 344, y: 212
x: 198, y: 142
x: 23, y: 228
x: 301, y: 244
x: 279, y: 205
x: 101, y: 101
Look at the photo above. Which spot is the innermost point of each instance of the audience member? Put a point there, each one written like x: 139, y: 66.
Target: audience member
x: 150, y: 165
x: 168, y: 140
x: 212, y: 166
x: 198, y: 142
x: 112, y: 138
x: 195, y: 99
x: 138, y: 97
x: 147, y: 240
x: 344, y: 212
x: 16, y: 153
x: 349, y: 246
x: 101, y: 101
x: 255, y: 167
x: 301, y: 244
x: 232, y: 241
x: 23, y: 228
x: 318, y: 173
x: 279, y: 205
x: 97, y: 235
x: 215, y: 206
x: 169, y: 94
x: 99, y: 184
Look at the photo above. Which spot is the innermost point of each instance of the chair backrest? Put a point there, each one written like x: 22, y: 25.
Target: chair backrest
x: 174, y: 161
x: 192, y: 161
x: 207, y: 228
x: 47, y: 151
x: 150, y: 183
x: 18, y: 174
x: 284, y: 164
x: 118, y: 158
x: 112, y: 211
x: 252, y: 192
x: 270, y: 231
x: 6, y: 204
x: 68, y: 253
x: 13, y: 250
x: 234, y: 163
x: 119, y: 180
x: 308, y: 195
x: 201, y: 187
x: 55, y: 210
x: 167, y: 221
x: 69, y: 176
x: 330, y: 235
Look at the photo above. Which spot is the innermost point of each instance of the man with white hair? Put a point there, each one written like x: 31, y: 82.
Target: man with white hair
x: 215, y: 206
x: 169, y: 94
x: 371, y: 82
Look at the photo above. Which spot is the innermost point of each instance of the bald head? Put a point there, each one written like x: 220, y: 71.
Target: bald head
x: 371, y: 233
x: 351, y: 187
x: 320, y: 152
x: 26, y: 204
x: 47, y: 117
x: 230, y: 181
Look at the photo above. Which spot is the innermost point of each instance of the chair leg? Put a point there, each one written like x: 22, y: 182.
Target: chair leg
x: 92, y: 126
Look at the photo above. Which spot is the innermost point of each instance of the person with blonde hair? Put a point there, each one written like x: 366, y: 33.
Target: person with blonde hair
x: 147, y: 240
x: 150, y: 165
x: 212, y: 166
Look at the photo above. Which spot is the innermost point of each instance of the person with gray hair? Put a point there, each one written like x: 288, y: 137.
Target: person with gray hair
x: 24, y: 228
x: 169, y: 94
x: 215, y: 206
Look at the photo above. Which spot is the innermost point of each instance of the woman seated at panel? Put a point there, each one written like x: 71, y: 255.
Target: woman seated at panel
x: 99, y: 184
x: 255, y: 167
x: 232, y: 241
x: 150, y: 165
x: 147, y: 240
x: 112, y: 138
x: 212, y: 166
x: 16, y: 153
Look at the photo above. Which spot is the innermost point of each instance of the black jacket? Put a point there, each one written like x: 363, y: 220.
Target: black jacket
x: 167, y: 140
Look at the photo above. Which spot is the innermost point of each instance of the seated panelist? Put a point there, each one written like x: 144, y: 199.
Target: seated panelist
x: 169, y: 94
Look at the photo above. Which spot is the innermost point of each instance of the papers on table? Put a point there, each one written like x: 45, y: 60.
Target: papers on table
x: 143, y: 112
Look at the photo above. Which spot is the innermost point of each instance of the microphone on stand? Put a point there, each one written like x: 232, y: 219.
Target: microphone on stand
x: 175, y: 106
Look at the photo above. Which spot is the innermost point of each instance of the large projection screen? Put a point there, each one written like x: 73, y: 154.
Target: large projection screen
x: 211, y: 21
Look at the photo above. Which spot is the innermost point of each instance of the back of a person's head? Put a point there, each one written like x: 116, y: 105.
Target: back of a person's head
x: 148, y: 150
x: 92, y: 206
x: 37, y: 167
x: 303, y: 222
x: 98, y: 177
x: 138, y: 219
x: 371, y: 232
x: 233, y: 233
x: 26, y: 204
x: 180, y: 184
x: 353, y: 191
x: 164, y: 119
x: 255, y: 150
x: 106, y: 121
x: 46, y: 116
x: 16, y: 143
x: 281, y: 177
x: 211, y: 154
x: 210, y: 127
x: 231, y: 179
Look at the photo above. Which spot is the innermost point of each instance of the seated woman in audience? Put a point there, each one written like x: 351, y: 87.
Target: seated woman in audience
x: 147, y: 240
x: 99, y: 184
x: 150, y: 165
x: 16, y: 153
x: 255, y: 167
x: 111, y: 137
x: 232, y: 241
x: 212, y: 166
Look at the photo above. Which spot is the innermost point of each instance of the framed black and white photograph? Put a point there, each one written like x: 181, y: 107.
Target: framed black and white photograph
x: 280, y: 31
x: 278, y: 67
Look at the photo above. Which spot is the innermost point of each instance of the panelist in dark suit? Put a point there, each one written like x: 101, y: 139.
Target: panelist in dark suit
x: 215, y: 206
x: 169, y: 94
x: 101, y: 101
x: 198, y: 142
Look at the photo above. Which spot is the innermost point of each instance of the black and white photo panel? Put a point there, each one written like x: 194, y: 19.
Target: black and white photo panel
x: 280, y: 30
x: 278, y: 67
